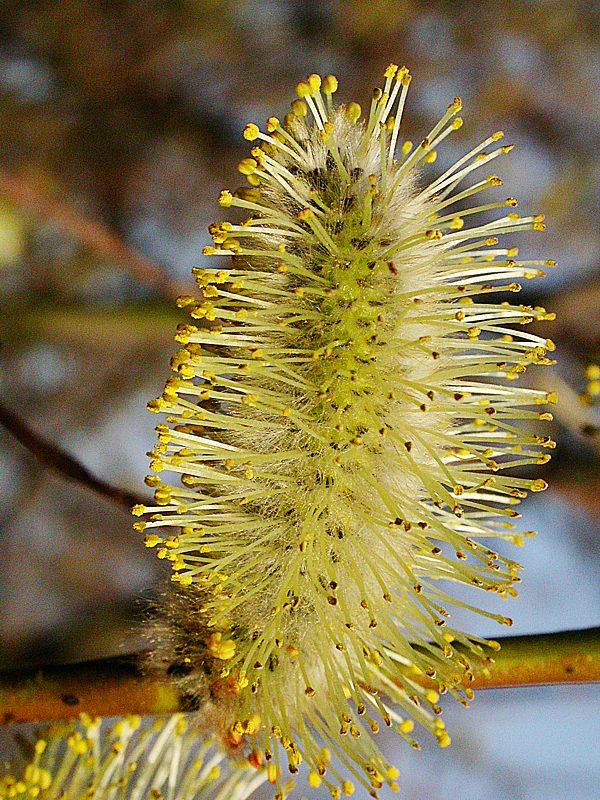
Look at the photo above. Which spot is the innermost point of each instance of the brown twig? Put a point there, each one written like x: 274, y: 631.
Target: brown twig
x: 57, y: 459
x: 33, y: 201
x: 117, y: 686
x: 106, y: 687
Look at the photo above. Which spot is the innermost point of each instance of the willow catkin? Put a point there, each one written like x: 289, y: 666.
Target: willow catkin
x: 338, y: 427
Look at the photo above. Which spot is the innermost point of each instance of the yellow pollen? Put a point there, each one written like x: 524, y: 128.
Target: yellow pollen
x: 314, y: 779
x: 251, y: 132
x: 330, y: 84
x: 314, y: 81
x: 299, y: 108
x: 353, y: 111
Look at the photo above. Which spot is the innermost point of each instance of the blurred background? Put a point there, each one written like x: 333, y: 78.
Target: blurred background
x: 120, y: 121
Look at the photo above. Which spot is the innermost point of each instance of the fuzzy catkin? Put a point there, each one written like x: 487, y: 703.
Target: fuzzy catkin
x: 341, y: 415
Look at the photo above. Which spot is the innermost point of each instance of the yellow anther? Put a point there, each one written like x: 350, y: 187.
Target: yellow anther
x: 456, y: 223
x: 353, y: 111
x: 390, y: 71
x: 549, y: 345
x: 288, y: 121
x: 44, y: 779
x: 220, y: 648
x: 593, y: 387
x: 314, y: 779
x: 77, y: 744
x: 314, y: 81
x: 330, y: 84
x: 247, y: 166
x: 303, y: 89
x: 592, y: 372
x: 456, y: 123
x: 245, y: 193
x: 430, y: 157
x: 299, y: 108
x: 231, y: 244
x: 251, y: 132
x: 163, y: 496
x: 225, y: 198
x: 254, y: 722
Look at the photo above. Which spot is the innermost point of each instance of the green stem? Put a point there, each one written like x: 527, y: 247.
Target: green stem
x: 117, y: 686
x: 544, y: 658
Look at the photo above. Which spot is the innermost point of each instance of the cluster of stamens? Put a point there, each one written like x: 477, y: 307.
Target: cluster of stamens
x: 94, y: 759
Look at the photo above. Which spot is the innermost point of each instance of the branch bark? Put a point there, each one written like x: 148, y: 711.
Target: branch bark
x: 106, y: 687
x: 117, y: 686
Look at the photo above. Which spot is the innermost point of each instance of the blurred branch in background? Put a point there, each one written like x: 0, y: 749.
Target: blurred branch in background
x: 57, y: 459
x: 32, y: 200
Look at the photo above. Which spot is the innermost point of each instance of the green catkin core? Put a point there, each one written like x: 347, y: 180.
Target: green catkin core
x: 342, y: 412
